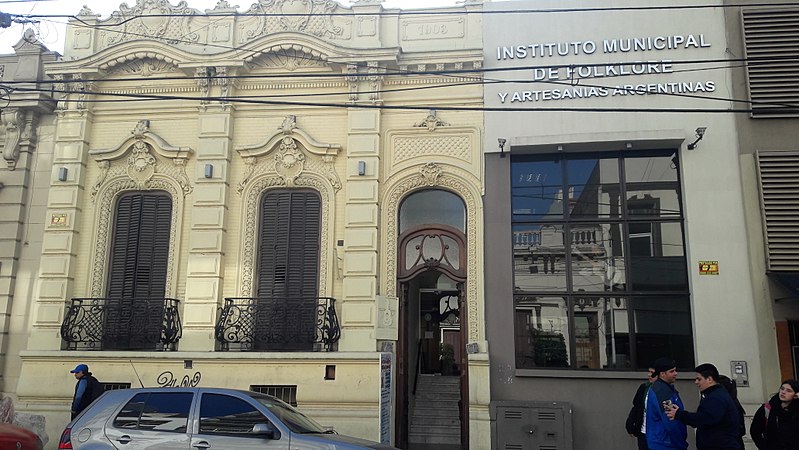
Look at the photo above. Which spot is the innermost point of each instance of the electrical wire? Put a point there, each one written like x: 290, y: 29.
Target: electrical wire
x: 451, y: 73
x: 236, y: 100
x: 441, y: 11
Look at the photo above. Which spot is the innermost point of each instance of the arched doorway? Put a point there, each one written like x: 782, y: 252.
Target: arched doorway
x: 431, y: 356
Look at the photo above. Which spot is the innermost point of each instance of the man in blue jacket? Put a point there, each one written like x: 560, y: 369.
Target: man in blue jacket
x: 662, y: 433
x: 716, y: 419
x: 87, y: 389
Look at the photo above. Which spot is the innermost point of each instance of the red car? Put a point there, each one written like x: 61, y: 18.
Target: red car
x: 14, y: 437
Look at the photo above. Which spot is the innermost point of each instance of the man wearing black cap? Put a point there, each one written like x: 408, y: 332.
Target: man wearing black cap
x: 662, y: 433
x: 87, y: 389
x: 716, y: 419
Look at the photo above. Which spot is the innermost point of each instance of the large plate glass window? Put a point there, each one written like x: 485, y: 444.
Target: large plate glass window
x: 599, y: 267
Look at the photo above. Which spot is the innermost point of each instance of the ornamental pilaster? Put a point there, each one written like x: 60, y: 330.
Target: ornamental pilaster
x: 65, y: 203
x: 209, y: 221
x: 359, y: 305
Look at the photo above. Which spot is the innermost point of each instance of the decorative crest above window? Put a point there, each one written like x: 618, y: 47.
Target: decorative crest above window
x: 431, y: 122
x: 289, y: 145
x: 141, y: 164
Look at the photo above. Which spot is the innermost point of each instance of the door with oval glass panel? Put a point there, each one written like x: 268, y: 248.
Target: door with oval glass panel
x: 431, y: 276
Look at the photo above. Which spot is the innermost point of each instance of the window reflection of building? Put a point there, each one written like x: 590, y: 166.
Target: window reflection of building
x: 620, y: 233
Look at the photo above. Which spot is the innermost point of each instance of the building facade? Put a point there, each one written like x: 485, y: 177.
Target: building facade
x: 329, y: 205
x: 764, y: 36
x: 27, y: 149
x: 615, y: 218
x: 265, y: 201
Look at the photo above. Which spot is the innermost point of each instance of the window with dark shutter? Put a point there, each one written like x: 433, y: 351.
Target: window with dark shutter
x: 289, y: 247
x: 288, y: 270
x: 137, y: 269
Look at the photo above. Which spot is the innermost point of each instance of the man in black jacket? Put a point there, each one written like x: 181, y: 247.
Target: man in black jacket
x: 87, y: 389
x: 636, y: 419
x: 716, y: 418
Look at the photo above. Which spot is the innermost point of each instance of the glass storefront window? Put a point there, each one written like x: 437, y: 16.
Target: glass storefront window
x: 662, y: 326
x: 601, y: 332
x: 539, y: 263
x: 537, y: 190
x: 651, y: 186
x: 605, y: 232
x: 594, y: 190
x: 597, y: 257
x: 657, y: 257
x: 542, y: 332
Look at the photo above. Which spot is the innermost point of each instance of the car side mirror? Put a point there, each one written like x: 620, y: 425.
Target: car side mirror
x: 265, y: 430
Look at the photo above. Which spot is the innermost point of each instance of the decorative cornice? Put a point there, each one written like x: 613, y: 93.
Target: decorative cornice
x: 141, y: 133
x: 290, y: 161
x: 142, y: 164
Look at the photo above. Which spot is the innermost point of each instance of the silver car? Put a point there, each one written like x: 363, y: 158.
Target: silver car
x: 198, y: 419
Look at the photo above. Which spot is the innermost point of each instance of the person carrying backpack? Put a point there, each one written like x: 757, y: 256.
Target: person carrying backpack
x: 87, y: 389
x: 776, y: 423
x: 636, y: 419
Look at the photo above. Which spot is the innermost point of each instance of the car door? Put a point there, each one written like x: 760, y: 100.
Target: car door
x: 152, y: 421
x: 225, y: 422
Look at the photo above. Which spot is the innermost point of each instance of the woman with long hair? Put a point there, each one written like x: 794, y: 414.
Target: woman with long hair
x: 776, y: 423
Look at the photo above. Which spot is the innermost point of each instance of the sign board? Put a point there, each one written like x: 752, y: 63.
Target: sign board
x: 708, y: 267
x: 385, y: 398
x: 386, y: 325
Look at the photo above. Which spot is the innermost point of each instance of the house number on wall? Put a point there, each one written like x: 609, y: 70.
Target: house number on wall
x: 167, y: 379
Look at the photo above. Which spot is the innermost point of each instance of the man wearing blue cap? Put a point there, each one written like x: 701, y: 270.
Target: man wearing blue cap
x: 86, y: 390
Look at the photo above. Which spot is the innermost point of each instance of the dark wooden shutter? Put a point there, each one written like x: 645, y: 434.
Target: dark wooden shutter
x: 140, y: 249
x: 289, y: 247
x: 137, y: 273
x: 288, y: 271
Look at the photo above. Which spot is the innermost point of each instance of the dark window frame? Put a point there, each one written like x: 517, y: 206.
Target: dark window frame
x: 244, y: 433
x: 147, y: 396
x: 624, y: 219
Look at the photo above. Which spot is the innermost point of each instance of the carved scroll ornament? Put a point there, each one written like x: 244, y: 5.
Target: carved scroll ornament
x: 140, y: 152
x: 294, y: 153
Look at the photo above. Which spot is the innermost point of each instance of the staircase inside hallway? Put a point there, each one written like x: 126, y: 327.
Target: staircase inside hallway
x: 434, y: 421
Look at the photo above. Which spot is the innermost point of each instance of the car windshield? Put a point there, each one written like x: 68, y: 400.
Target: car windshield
x: 296, y: 421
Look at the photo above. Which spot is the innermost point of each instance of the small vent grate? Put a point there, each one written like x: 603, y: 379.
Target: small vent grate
x: 547, y: 447
x: 547, y: 415
x: 771, y: 38
x: 283, y: 392
x: 779, y: 190
x: 514, y: 447
x: 514, y: 414
x: 114, y: 386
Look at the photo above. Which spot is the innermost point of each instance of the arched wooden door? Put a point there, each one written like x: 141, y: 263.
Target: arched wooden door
x: 422, y: 249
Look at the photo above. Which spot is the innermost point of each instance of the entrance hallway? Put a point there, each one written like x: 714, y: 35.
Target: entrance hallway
x: 434, y: 414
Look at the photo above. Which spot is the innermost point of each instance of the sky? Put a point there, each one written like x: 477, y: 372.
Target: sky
x: 51, y: 31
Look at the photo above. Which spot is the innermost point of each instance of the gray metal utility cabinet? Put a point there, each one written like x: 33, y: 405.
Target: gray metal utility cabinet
x: 531, y: 425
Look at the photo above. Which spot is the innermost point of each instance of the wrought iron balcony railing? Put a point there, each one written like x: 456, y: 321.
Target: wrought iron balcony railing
x: 278, y: 324
x: 121, y: 324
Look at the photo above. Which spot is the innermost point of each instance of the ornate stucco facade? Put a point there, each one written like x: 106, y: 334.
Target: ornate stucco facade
x: 217, y: 109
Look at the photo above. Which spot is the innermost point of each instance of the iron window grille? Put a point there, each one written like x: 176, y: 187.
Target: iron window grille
x: 286, y: 393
